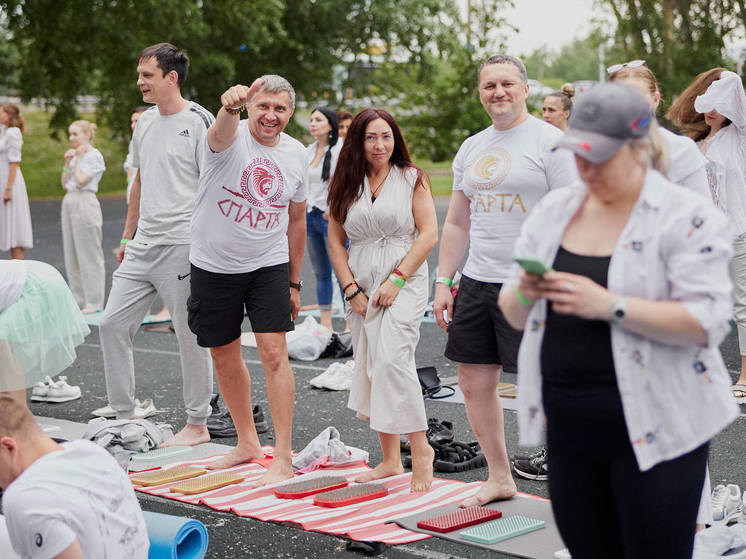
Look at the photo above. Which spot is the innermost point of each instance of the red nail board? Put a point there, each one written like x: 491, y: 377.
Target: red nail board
x: 457, y: 519
x: 306, y: 487
x: 351, y: 495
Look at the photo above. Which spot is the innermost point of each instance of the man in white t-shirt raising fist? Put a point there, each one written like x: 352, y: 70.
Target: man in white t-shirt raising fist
x: 499, y: 175
x: 69, y: 501
x: 248, y: 236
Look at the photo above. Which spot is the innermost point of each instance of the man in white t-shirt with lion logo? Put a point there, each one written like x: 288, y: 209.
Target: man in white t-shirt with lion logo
x: 248, y: 236
x: 499, y: 175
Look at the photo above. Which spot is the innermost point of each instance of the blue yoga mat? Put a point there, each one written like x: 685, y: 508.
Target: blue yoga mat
x: 175, y: 537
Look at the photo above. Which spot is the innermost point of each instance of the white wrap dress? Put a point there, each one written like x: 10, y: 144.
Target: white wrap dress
x: 385, y: 388
x: 15, y: 216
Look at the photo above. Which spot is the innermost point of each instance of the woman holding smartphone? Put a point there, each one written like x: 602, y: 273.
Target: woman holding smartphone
x: 620, y: 344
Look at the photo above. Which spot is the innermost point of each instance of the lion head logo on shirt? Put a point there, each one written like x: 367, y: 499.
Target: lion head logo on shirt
x: 262, y: 183
x: 488, y: 169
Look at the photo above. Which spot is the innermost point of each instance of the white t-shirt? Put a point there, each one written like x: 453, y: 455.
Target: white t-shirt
x: 241, y: 216
x: 167, y: 151
x: 504, y: 173
x: 318, y: 189
x: 79, y: 492
x: 92, y: 164
x: 12, y: 280
x: 687, y: 166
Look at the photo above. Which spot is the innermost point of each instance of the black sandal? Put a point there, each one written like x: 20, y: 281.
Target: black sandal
x: 459, y: 457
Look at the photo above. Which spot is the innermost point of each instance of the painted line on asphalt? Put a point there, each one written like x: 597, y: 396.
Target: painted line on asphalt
x: 429, y: 554
x: 248, y: 361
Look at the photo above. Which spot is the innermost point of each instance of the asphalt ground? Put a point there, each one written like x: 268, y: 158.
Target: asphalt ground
x: 159, y: 377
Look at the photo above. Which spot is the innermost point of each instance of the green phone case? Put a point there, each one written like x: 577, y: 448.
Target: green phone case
x: 532, y: 266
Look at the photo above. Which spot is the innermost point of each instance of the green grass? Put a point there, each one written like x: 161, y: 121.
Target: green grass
x: 42, y: 160
x: 441, y: 175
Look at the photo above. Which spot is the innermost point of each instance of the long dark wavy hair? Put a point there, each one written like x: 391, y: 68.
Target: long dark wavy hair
x: 348, y: 179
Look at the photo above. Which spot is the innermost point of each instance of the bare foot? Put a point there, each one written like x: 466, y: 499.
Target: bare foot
x: 239, y: 455
x: 381, y: 471
x: 279, y: 470
x: 190, y: 435
x: 491, y: 490
x: 422, y: 470
x: 162, y: 316
x: 89, y: 310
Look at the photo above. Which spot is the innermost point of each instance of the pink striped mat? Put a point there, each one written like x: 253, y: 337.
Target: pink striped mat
x: 365, y: 521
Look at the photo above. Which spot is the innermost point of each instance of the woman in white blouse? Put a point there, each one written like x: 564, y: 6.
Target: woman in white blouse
x: 712, y: 111
x: 15, y: 216
x: 82, y: 219
x: 620, y: 343
x: 322, y: 158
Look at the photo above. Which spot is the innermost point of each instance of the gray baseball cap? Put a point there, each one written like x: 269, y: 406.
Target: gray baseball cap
x: 604, y: 119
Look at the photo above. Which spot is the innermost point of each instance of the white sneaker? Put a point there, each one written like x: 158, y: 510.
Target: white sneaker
x: 145, y: 409
x: 40, y: 390
x: 727, y: 505
x: 60, y: 391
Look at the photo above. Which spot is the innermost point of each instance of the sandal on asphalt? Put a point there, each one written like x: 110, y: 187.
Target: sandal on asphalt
x: 739, y: 393
x: 459, y: 457
x: 438, y: 432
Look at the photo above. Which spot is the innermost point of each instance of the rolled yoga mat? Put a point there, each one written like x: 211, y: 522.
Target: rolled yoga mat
x: 175, y: 537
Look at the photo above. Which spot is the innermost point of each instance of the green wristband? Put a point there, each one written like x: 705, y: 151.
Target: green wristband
x: 65, y: 170
x: 443, y: 279
x: 521, y: 298
x: 397, y: 280
x: 124, y: 241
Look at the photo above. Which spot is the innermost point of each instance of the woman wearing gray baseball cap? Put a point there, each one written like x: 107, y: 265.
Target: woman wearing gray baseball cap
x: 621, y: 333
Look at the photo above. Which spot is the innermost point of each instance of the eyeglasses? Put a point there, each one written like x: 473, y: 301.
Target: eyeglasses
x: 631, y: 64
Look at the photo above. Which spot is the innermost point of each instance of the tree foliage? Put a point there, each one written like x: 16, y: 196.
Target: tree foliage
x: 437, y: 99
x: 678, y: 38
x: 91, y: 46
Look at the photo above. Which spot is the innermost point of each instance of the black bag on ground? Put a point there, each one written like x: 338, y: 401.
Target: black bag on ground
x: 340, y: 345
x: 430, y: 384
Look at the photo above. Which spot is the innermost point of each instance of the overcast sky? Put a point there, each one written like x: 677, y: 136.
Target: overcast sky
x: 548, y: 22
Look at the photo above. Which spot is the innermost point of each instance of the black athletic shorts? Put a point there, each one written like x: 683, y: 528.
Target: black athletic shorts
x: 478, y: 332
x: 216, y: 305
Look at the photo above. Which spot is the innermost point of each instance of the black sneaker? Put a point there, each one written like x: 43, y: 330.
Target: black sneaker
x: 259, y: 421
x: 221, y: 425
x: 536, y: 468
x: 530, y: 456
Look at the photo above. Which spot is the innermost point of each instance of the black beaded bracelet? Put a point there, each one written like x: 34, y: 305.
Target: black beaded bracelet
x: 349, y: 297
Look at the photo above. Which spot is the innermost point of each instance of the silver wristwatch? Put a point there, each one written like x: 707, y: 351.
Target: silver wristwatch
x: 618, y: 311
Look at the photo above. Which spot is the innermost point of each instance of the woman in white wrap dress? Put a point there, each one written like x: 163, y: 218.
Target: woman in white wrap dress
x: 382, y: 203
x: 15, y: 216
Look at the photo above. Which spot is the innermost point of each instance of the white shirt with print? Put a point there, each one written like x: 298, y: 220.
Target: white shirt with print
x: 241, y: 215
x: 674, y: 397
x: 505, y: 173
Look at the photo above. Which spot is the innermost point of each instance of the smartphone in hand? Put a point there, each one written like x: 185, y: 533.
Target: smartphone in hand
x: 532, y: 265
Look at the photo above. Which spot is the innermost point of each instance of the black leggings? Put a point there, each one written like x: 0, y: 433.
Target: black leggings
x: 603, y: 505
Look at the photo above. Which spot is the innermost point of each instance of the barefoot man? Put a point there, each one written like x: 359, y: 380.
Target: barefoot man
x: 165, y: 149
x: 499, y: 174
x: 248, y: 236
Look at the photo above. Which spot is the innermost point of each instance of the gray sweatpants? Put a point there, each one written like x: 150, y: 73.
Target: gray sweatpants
x: 148, y: 270
x: 81, y: 245
x: 738, y: 277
